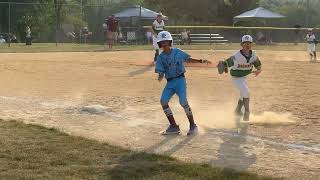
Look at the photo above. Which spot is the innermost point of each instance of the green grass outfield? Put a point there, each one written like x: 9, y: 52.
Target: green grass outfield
x: 70, y: 47
x: 34, y: 152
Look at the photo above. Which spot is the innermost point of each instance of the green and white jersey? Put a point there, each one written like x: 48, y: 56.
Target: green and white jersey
x: 241, y: 65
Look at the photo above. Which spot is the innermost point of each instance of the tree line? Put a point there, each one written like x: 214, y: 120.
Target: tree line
x: 45, y: 16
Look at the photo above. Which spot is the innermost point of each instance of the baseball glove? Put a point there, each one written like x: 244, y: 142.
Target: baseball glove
x: 222, y: 68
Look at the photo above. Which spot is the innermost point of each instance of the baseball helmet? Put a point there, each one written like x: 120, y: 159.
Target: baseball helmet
x: 164, y: 36
x: 246, y: 38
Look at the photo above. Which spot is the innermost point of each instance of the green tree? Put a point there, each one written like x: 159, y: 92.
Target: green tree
x: 201, y: 12
x: 296, y: 11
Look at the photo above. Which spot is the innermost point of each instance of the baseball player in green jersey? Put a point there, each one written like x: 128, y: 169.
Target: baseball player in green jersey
x: 311, y: 40
x: 241, y: 65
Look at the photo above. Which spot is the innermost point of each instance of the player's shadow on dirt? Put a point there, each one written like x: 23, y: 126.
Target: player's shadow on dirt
x: 170, y: 147
x: 232, y: 155
x: 140, y: 71
x: 166, y: 140
x: 144, y: 165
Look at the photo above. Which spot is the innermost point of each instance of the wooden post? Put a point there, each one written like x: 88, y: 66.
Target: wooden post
x: 9, y: 29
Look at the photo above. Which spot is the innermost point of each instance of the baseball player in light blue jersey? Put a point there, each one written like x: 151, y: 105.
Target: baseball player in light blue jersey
x: 170, y: 64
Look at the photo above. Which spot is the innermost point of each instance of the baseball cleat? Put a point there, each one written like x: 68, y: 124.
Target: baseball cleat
x: 193, y: 130
x: 171, y: 130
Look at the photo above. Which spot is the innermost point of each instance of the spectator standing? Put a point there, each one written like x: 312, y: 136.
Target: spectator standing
x: 149, y: 36
x: 120, y: 35
x: 112, y: 34
x: 28, y: 36
x: 185, y: 37
x: 86, y: 34
x: 105, y: 30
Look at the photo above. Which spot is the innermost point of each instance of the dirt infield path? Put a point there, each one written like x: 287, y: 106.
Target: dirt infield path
x: 283, y: 139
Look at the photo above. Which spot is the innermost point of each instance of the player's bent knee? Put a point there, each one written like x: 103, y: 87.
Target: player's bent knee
x: 245, y: 95
x: 183, y: 102
x: 164, y: 103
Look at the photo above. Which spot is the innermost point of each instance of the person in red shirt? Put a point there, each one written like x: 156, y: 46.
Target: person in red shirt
x: 112, y: 25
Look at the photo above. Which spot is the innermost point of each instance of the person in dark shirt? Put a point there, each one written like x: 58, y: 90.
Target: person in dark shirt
x: 112, y: 28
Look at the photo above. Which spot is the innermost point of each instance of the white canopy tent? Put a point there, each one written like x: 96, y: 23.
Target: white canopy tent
x: 259, y: 13
x: 137, y: 12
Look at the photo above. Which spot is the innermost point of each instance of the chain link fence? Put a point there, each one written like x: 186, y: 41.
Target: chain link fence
x: 62, y: 23
x: 83, y: 24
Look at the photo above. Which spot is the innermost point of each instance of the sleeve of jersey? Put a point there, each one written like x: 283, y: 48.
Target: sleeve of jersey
x: 229, y: 62
x: 159, y: 66
x: 183, y: 55
x: 257, y: 64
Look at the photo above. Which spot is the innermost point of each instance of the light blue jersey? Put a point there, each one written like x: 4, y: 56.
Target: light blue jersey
x: 172, y: 65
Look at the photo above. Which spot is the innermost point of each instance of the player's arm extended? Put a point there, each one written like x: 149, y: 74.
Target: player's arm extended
x: 192, y: 60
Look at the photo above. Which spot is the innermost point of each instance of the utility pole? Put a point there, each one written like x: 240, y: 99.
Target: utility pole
x: 57, y: 21
x: 9, y: 29
x: 81, y: 14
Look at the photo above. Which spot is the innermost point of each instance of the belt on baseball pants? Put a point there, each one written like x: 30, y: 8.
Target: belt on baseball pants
x: 180, y: 76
